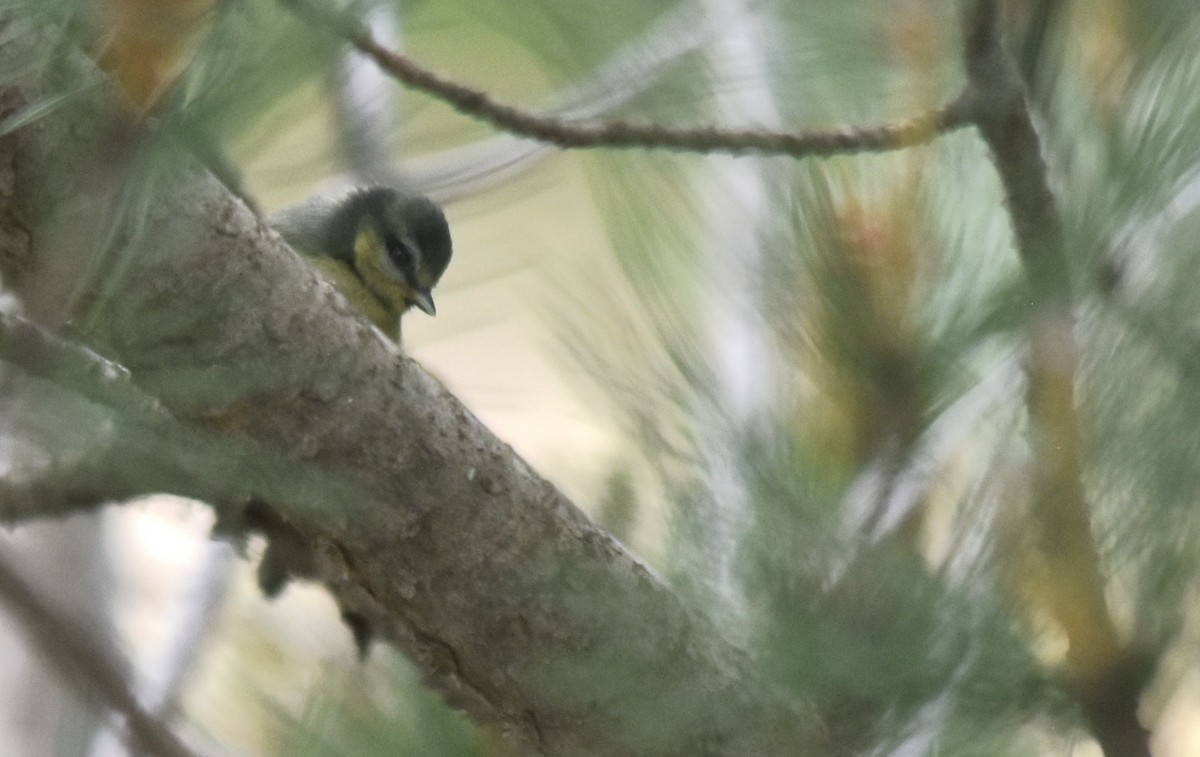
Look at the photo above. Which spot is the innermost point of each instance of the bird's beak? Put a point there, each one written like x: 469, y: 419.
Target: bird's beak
x: 423, y: 299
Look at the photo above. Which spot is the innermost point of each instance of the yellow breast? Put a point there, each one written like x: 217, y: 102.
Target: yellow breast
x: 353, y: 289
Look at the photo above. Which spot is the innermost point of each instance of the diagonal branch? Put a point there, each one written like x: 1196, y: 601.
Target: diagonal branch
x: 1103, y: 672
x: 919, y: 129
x: 81, y: 662
x: 514, y: 605
x: 147, y: 449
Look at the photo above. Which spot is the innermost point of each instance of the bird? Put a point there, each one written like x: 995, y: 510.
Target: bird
x: 383, y: 248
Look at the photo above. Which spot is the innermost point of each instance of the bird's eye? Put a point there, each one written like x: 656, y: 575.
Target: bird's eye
x: 400, y: 257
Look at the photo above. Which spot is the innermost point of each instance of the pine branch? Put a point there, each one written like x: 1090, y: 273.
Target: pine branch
x: 1103, y: 672
x: 80, y: 661
x: 147, y: 450
x: 918, y: 129
x: 514, y: 605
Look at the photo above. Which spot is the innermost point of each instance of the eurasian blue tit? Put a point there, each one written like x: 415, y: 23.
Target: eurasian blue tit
x: 382, y: 248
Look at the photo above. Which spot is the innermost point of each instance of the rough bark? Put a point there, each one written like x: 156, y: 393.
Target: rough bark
x: 517, y: 608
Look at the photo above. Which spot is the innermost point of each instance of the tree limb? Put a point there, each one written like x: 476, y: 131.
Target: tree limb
x: 515, y: 606
x: 145, y: 450
x: 1105, y: 675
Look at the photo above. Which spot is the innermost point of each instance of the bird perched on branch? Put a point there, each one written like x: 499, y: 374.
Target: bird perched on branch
x: 382, y: 248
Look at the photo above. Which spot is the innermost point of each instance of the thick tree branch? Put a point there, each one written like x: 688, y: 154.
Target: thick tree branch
x: 1107, y: 677
x: 567, y: 134
x: 517, y: 608
x: 144, y: 449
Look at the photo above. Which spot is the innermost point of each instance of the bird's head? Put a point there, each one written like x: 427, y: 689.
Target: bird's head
x: 401, y: 247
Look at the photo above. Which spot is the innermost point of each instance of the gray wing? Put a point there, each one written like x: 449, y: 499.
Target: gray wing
x: 305, y: 226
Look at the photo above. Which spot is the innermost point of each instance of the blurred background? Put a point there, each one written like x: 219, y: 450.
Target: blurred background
x: 795, y: 388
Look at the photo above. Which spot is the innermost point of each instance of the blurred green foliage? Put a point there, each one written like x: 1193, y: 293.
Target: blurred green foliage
x: 877, y: 482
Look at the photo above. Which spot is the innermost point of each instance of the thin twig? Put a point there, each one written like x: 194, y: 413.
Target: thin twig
x: 567, y: 134
x: 82, y: 662
x: 626, y: 74
x: 74, y: 367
